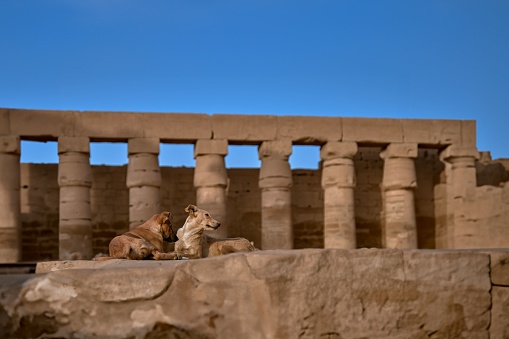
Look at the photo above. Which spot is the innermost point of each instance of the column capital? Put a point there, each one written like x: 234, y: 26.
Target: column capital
x: 400, y: 150
x: 73, y: 144
x: 10, y: 144
x: 338, y: 149
x: 275, y: 149
x: 211, y: 146
x: 455, y: 151
x: 143, y: 145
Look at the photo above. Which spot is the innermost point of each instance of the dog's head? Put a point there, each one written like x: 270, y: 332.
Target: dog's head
x: 164, y: 220
x: 201, y: 218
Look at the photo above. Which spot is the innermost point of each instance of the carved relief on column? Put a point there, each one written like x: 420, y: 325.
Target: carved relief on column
x: 399, y: 183
x: 10, y: 221
x: 75, y: 181
x: 338, y: 183
x: 143, y: 180
x: 461, y: 183
x: 211, y: 180
x: 275, y: 182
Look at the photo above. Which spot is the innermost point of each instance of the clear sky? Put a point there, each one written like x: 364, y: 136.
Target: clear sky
x: 362, y: 58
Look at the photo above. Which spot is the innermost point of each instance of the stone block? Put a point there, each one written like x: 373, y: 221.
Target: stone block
x: 169, y: 127
x: 432, y: 132
x: 500, y: 267
x: 177, y: 127
x: 309, y: 130
x: 41, y: 124
x: 213, y: 146
x: 244, y: 128
x: 372, y: 130
x: 263, y: 294
x: 10, y: 144
x: 109, y: 125
x: 5, y: 128
x: 143, y: 145
x: 73, y: 144
x: 335, y: 149
x: 468, y: 133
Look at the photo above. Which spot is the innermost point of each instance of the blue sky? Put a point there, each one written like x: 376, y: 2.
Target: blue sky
x: 395, y: 59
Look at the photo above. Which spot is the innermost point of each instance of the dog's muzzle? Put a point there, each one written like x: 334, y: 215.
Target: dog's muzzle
x: 214, y: 227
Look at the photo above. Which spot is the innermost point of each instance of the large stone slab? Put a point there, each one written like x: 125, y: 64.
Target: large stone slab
x: 314, y: 293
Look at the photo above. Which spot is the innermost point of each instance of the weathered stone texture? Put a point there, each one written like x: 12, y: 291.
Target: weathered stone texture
x: 44, y: 124
x: 432, y: 131
x: 373, y: 130
x: 244, y: 128
x: 499, y: 328
x: 4, y: 122
x: 268, y: 294
x: 500, y: 267
x: 309, y: 130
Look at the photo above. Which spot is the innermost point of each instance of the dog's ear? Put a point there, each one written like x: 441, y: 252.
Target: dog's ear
x: 191, y: 209
x: 167, y: 215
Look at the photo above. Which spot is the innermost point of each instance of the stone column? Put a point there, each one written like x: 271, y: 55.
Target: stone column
x: 143, y: 180
x: 10, y: 217
x: 211, y: 180
x: 461, y: 183
x: 399, y: 182
x: 338, y: 182
x: 275, y: 183
x: 75, y: 180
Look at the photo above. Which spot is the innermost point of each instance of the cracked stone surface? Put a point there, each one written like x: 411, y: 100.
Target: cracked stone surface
x: 311, y: 293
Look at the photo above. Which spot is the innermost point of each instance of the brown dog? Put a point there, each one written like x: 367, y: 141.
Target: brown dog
x: 193, y: 243
x: 144, y: 241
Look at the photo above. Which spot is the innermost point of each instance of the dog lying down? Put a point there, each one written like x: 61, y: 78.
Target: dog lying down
x: 193, y: 243
x: 144, y: 241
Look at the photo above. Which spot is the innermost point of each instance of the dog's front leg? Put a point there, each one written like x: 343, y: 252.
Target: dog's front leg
x: 165, y: 256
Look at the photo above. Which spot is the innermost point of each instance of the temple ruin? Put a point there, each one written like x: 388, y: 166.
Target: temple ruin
x: 384, y: 183
x: 402, y: 231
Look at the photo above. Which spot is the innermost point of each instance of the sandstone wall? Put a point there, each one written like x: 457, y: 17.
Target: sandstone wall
x: 314, y: 293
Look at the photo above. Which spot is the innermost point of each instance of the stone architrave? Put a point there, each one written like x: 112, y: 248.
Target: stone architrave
x: 399, y: 183
x: 461, y: 183
x: 143, y: 180
x: 275, y: 182
x: 10, y: 218
x: 75, y: 181
x: 338, y: 183
x: 211, y: 180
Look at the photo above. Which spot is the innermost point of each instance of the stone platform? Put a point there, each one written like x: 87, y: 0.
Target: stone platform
x: 314, y: 293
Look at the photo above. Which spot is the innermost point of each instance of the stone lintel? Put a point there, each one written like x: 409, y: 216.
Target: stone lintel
x: 73, y: 144
x: 143, y: 145
x: 244, y: 128
x: 400, y: 150
x: 10, y: 144
x: 372, y: 130
x: 275, y: 148
x: 309, y: 130
x: 211, y: 146
x: 337, y: 149
x: 455, y: 151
